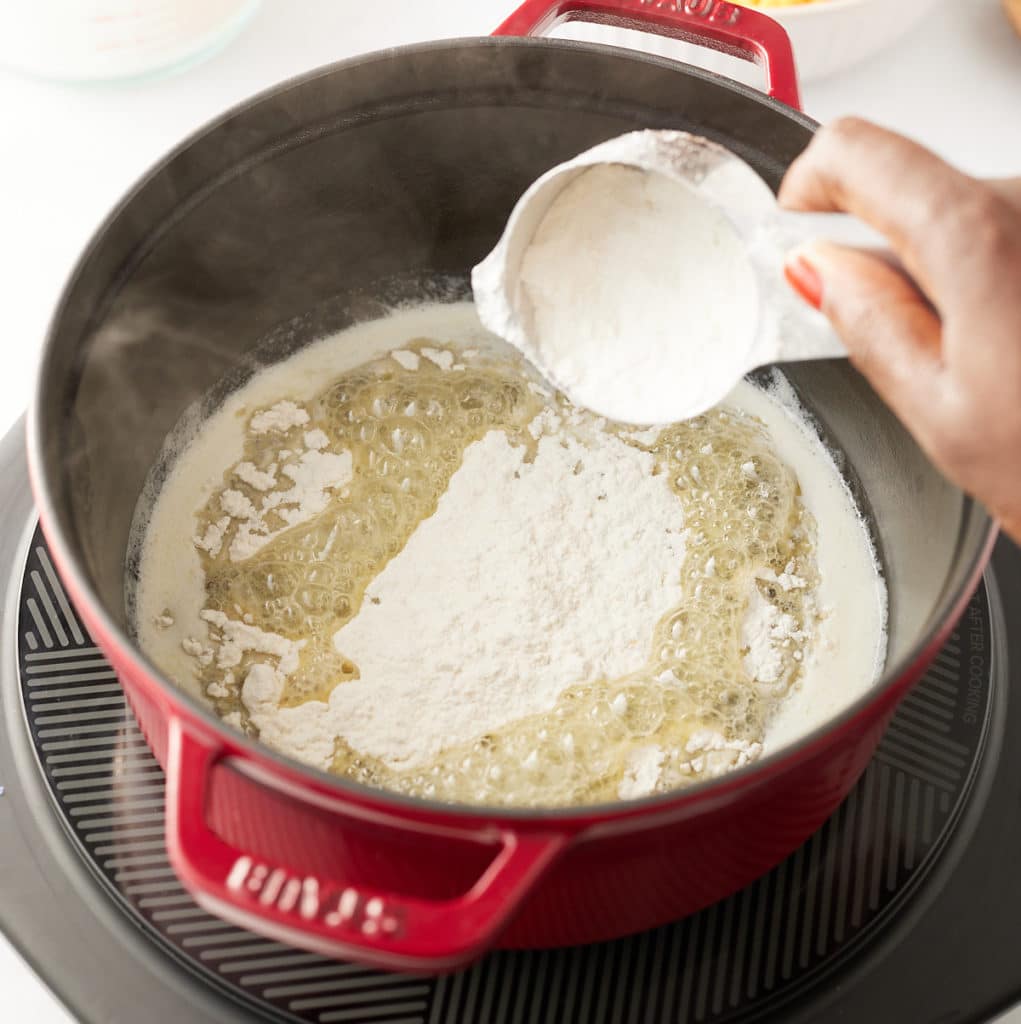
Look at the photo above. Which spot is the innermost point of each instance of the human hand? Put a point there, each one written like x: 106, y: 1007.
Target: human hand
x: 943, y: 347
x: 1013, y: 9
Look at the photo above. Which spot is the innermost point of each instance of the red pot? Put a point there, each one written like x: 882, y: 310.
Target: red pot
x: 283, y: 221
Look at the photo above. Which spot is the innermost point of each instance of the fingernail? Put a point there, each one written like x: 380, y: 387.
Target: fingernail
x: 804, y: 279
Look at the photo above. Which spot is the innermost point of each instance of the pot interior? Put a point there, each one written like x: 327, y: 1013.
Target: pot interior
x: 307, y: 209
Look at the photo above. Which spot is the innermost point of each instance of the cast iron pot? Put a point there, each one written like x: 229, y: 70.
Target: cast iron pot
x: 281, y: 222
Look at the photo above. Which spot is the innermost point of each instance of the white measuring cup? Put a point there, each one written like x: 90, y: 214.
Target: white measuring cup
x: 786, y: 329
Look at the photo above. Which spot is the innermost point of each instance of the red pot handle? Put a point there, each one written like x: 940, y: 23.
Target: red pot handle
x: 722, y: 26
x: 331, y: 916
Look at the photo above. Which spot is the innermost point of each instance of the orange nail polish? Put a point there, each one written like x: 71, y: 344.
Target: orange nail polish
x: 805, y: 280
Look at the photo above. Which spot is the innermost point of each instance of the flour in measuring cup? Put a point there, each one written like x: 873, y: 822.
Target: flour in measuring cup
x: 637, y: 296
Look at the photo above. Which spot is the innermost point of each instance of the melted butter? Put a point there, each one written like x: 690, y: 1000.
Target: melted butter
x: 407, y: 431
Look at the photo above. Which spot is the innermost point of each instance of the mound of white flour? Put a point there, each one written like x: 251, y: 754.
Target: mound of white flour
x: 528, y: 578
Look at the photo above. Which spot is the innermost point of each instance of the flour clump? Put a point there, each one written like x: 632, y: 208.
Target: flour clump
x: 567, y: 592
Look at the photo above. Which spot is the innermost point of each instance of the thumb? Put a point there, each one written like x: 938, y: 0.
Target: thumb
x: 892, y: 334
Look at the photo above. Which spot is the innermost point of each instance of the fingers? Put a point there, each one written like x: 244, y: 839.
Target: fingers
x: 929, y: 210
x: 891, y: 333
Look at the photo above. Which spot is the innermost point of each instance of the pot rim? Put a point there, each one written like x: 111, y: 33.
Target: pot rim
x: 893, y: 683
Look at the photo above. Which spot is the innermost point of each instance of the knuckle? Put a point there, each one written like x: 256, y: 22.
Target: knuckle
x: 953, y: 432
x: 833, y: 139
x: 847, y: 128
x: 962, y: 223
x: 985, y: 223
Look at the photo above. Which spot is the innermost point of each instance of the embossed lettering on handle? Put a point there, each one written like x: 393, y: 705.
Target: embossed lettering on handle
x: 740, y: 31
x: 712, y: 10
x: 308, y: 899
x: 331, y: 915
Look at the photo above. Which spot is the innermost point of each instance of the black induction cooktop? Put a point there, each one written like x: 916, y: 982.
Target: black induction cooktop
x: 904, y: 907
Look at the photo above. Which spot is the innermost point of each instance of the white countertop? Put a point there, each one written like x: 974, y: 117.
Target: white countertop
x: 68, y: 153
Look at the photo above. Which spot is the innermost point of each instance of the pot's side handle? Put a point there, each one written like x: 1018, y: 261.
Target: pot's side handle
x: 330, y: 916
x: 715, y: 23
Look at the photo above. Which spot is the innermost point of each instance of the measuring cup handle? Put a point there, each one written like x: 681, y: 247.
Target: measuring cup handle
x: 739, y: 31
x: 797, y: 230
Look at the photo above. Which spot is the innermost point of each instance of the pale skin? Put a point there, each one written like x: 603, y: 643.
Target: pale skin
x: 941, y: 343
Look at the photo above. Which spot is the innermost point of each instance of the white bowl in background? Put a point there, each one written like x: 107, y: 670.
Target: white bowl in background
x: 828, y: 36
x: 101, y: 40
